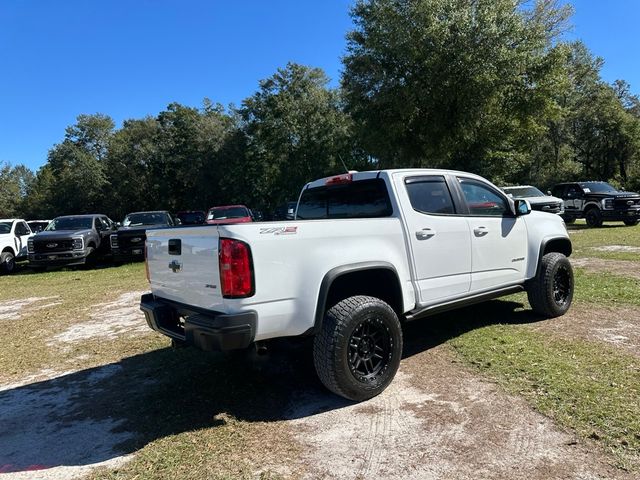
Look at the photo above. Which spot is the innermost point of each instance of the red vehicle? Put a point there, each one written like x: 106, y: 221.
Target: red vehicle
x: 229, y: 214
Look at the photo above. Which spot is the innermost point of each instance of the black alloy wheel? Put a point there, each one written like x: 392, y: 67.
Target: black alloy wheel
x: 358, y: 349
x: 370, y: 348
x: 593, y: 217
x: 562, y: 286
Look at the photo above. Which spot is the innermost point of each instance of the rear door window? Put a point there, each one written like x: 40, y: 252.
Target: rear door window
x: 430, y: 195
x: 359, y: 199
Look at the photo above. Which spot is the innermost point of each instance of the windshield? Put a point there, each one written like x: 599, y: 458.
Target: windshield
x: 524, y: 192
x: 191, y: 217
x: 136, y: 219
x: 70, y: 223
x: 597, y: 187
x: 224, y: 213
x: 5, y: 227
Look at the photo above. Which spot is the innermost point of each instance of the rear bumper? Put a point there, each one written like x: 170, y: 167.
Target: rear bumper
x: 209, y: 331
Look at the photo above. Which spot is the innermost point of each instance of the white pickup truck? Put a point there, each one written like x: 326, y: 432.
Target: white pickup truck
x: 365, y: 252
x: 14, y: 235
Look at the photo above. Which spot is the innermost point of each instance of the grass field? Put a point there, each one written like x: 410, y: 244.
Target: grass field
x: 613, y: 241
x: 196, y: 415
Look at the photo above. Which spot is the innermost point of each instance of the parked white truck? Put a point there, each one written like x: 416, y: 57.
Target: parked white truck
x: 365, y: 252
x: 14, y: 235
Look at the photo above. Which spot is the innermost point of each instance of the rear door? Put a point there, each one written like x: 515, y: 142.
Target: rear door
x: 183, y: 265
x: 498, y: 238
x: 438, y: 236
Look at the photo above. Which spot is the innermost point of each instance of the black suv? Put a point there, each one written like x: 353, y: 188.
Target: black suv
x: 127, y: 244
x: 71, y: 240
x: 598, y: 202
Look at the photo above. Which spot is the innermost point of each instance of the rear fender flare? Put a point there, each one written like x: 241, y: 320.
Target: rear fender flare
x: 332, y: 275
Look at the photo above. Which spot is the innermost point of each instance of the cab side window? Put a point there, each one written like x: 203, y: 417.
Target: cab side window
x: 574, y: 191
x: 22, y: 229
x: 430, y: 195
x: 482, y: 200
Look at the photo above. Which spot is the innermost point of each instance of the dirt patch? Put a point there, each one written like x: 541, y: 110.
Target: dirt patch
x: 14, y: 309
x: 617, y: 248
x: 626, y: 268
x: 618, y: 326
x: 109, y: 321
x: 439, y: 420
x: 40, y: 439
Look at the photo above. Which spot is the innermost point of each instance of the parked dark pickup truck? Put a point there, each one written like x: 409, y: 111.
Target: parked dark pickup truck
x: 71, y: 240
x: 598, y: 202
x: 127, y: 244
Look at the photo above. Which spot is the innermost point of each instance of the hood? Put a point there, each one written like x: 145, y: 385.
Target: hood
x: 545, y: 199
x: 614, y: 195
x: 59, y: 234
x: 142, y: 228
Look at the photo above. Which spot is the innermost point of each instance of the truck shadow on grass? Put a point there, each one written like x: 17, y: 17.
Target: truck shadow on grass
x: 101, y: 413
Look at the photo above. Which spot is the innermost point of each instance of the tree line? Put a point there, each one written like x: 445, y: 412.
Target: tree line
x: 487, y: 86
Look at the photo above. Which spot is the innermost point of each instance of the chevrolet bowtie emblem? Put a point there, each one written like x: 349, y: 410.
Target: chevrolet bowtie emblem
x: 175, y: 266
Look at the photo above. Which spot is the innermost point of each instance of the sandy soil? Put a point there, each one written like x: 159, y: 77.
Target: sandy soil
x: 617, y: 248
x: 15, y: 309
x: 617, y: 267
x: 439, y: 420
x: 39, y: 438
x: 108, y: 321
x: 619, y: 326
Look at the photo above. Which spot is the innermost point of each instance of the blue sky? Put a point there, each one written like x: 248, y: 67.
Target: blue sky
x: 129, y: 59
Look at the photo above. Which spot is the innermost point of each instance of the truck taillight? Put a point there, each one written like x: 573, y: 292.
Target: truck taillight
x: 236, y: 269
x: 146, y: 262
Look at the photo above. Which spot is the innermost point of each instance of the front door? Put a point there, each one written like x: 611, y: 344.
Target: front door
x: 439, y: 238
x: 498, y: 238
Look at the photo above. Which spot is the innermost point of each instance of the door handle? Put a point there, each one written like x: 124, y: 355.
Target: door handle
x: 480, y: 231
x: 425, y: 233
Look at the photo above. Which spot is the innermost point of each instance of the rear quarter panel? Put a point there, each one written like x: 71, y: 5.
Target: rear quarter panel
x: 291, y: 259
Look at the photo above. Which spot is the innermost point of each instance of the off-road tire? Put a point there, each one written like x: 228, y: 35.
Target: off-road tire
x: 349, y: 331
x: 90, y: 259
x: 551, y: 291
x: 593, y: 216
x: 7, y: 262
x: 631, y: 223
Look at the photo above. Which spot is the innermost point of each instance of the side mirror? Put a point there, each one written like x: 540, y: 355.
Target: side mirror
x: 549, y: 193
x: 117, y: 224
x: 522, y: 207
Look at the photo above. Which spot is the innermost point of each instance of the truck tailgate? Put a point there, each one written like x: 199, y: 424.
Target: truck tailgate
x: 183, y: 265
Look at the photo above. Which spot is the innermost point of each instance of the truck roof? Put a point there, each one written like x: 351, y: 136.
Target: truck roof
x: 355, y: 176
x: 84, y: 215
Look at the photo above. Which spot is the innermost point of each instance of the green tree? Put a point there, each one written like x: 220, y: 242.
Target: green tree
x: 129, y: 163
x: 15, y: 182
x: 453, y: 83
x: 296, y: 131
x: 77, y: 167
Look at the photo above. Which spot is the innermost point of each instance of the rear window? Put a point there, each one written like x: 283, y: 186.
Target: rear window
x: 359, y: 199
x: 224, y: 213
